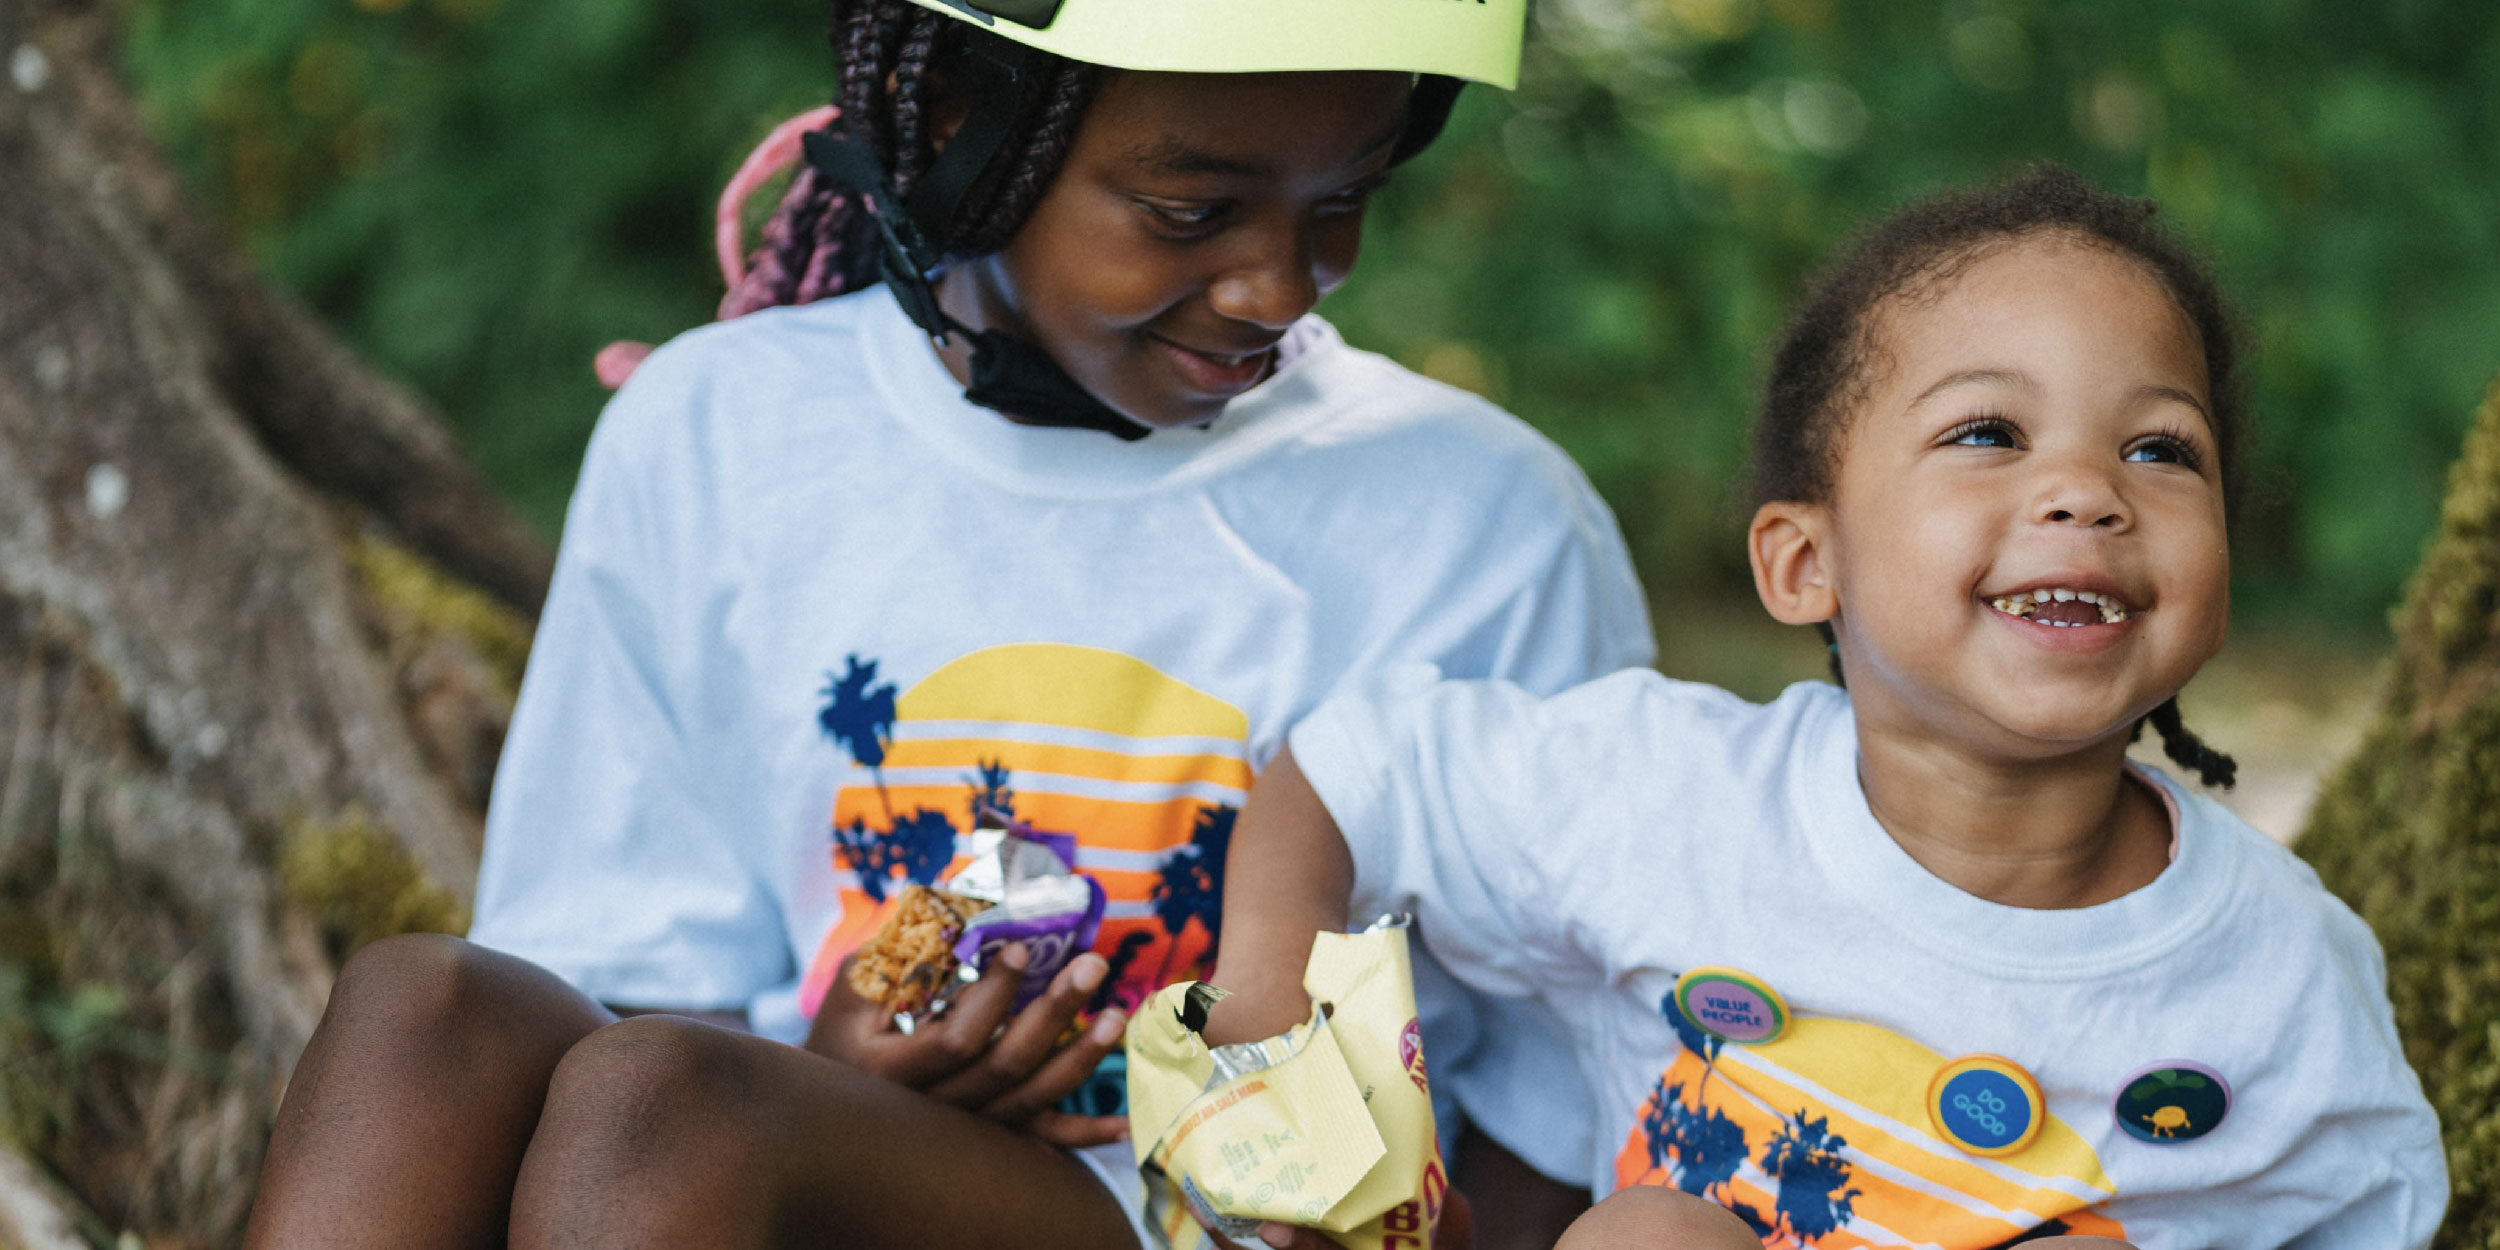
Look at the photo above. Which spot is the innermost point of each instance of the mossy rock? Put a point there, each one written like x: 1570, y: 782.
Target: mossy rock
x: 2408, y: 832
x: 421, y: 600
x: 360, y: 885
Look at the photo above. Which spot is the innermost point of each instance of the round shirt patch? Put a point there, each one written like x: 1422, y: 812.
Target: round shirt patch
x: 1731, y: 1005
x: 2175, y: 1100
x: 1986, y: 1104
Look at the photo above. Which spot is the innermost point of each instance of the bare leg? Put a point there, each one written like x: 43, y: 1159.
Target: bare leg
x: 664, y: 1132
x: 406, y: 1120
x: 1649, y: 1217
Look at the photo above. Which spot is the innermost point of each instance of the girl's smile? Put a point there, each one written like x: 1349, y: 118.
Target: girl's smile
x: 2076, y: 614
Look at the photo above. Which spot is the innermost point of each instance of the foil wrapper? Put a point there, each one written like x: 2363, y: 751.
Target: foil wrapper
x: 1035, y: 895
x: 1327, y: 1125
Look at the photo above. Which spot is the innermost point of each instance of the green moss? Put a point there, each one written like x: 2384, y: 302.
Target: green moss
x: 2408, y: 832
x: 420, y: 597
x: 361, y: 885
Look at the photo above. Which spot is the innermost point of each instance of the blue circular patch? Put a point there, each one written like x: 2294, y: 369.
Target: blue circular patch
x: 1985, y: 1105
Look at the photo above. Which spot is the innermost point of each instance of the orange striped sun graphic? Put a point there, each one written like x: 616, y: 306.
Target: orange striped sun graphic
x: 1144, y: 769
x: 1821, y: 1138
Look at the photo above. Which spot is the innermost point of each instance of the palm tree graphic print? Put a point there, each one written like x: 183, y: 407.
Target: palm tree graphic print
x: 1144, y: 770
x: 1819, y: 1139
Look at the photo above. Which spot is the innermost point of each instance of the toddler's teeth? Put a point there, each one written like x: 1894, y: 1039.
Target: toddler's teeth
x: 2062, y: 596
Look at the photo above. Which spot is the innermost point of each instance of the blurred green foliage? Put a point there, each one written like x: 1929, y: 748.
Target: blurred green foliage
x: 482, y: 192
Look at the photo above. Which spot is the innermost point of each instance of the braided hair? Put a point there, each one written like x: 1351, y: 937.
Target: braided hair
x: 821, y: 242
x: 1819, y: 369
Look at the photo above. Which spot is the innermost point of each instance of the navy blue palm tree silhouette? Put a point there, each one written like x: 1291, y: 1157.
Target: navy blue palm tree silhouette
x: 992, y: 800
x: 1706, y: 1045
x: 1192, y: 884
x: 919, y: 846
x: 866, y: 851
x: 1806, y: 1157
x: 859, y: 717
x: 1698, y: 1147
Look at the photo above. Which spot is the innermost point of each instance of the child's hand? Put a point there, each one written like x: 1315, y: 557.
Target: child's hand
x: 976, y: 1056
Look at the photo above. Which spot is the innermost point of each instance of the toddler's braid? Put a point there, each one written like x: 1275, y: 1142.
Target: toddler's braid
x: 2189, y: 751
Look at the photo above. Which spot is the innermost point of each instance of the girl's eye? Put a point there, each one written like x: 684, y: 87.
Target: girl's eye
x: 1354, y: 198
x: 2166, y: 449
x: 1183, y: 218
x: 1983, y: 432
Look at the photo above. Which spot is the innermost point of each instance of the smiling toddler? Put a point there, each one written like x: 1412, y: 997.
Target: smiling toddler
x: 1923, y: 959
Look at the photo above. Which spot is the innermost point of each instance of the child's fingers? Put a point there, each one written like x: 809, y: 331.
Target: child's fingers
x: 932, y: 1056
x: 849, y: 1028
x: 1061, y: 1073
x: 1026, y: 1046
x: 1076, y: 1132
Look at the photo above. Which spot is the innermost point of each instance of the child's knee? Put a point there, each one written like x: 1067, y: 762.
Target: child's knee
x: 647, y: 1121
x: 654, y: 1084
x: 415, y: 985
x: 1649, y: 1217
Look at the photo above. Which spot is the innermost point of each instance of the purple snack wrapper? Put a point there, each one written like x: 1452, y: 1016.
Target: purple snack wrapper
x: 1037, y: 897
x: 1062, y: 845
x: 1050, y: 941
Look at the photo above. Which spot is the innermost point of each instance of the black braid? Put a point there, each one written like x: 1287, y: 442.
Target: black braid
x: 2189, y: 751
x: 821, y: 243
x: 997, y: 205
x: 910, y: 152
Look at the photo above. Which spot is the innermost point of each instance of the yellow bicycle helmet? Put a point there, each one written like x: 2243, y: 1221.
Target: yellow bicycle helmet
x: 1471, y: 39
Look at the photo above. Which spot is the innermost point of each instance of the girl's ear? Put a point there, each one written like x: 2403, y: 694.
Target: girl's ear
x: 1791, y: 570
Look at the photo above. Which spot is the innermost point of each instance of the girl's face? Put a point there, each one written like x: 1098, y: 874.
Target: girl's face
x: 1196, y: 217
x: 2024, y: 550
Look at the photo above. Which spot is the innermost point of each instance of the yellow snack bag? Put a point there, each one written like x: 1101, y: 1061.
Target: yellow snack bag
x: 1328, y: 1125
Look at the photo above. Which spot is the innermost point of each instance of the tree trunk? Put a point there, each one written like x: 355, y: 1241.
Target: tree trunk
x: 2409, y: 831
x: 246, y: 718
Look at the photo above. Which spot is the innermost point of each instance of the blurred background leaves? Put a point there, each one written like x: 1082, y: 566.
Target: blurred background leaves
x: 482, y: 192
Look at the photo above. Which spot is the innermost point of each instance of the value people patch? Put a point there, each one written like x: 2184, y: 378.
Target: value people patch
x: 1731, y: 1005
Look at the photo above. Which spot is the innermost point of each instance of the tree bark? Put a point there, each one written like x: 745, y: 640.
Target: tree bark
x: 238, y: 693
x: 2408, y: 832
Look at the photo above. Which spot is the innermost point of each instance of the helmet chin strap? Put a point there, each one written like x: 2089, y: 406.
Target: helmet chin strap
x: 1009, y: 375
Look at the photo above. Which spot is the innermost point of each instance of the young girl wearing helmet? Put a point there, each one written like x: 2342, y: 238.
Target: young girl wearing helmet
x: 1065, y: 508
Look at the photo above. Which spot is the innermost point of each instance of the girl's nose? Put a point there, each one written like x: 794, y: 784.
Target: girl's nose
x: 1272, y: 282
x: 2080, y: 496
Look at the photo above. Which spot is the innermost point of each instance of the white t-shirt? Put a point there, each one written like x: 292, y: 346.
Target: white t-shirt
x: 811, y: 606
x: 1592, y: 848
